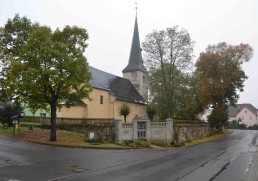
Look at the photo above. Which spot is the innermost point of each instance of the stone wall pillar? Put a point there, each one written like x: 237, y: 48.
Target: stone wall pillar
x: 148, y: 130
x: 135, y: 133
x: 118, y: 131
x: 170, y: 129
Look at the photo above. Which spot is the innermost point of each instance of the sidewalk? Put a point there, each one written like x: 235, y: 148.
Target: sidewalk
x: 252, y: 174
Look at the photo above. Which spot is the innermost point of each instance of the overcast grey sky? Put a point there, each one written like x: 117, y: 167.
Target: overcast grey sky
x: 110, y: 26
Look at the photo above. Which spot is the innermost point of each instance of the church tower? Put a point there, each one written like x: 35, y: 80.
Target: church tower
x: 135, y: 70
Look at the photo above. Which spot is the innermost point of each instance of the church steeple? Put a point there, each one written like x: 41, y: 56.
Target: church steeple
x: 135, y: 62
x: 135, y: 70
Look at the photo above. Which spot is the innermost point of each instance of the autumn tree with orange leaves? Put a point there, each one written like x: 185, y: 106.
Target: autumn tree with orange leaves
x: 221, y: 76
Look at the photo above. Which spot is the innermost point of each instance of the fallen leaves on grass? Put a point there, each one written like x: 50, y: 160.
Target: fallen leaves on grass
x: 63, y: 137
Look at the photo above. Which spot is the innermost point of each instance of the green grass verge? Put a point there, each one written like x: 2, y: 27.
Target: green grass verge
x: 8, y: 131
x: 206, y: 139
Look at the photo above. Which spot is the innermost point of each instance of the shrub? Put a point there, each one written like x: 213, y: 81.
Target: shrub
x: 7, y: 111
x: 128, y: 142
x: 177, y: 144
x: 172, y: 143
x: 139, y: 143
x: 160, y: 143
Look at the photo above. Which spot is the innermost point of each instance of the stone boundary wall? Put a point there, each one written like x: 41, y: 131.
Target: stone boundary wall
x: 190, y: 132
x: 158, y: 130
x: 100, y: 133
x: 143, y: 128
x: 93, y: 133
x: 140, y: 128
x: 127, y: 131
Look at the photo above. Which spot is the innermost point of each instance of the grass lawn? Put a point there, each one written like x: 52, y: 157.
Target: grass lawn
x: 9, y: 131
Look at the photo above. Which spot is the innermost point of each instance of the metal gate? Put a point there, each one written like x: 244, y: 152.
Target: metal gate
x: 141, y: 130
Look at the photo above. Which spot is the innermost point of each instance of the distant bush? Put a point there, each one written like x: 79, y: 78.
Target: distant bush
x: 241, y: 126
x: 254, y: 127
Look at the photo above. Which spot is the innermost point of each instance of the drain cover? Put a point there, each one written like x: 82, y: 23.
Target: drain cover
x: 79, y: 170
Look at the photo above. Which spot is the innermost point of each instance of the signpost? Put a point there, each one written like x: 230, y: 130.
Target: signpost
x: 16, y: 123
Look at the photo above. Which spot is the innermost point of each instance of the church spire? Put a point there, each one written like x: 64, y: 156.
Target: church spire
x: 135, y: 62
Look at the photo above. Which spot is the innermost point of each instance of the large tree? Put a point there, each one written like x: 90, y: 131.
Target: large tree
x: 221, y: 77
x: 168, y: 54
x: 41, y: 67
x: 191, y: 105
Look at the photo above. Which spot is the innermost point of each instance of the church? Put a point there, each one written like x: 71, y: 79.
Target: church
x: 111, y: 91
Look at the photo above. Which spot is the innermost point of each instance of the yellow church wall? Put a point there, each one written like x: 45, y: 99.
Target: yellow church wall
x: 136, y: 110
x: 94, y: 109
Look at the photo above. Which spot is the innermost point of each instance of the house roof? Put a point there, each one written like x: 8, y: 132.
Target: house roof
x: 233, y: 111
x: 250, y: 107
x: 120, y: 87
x: 135, y: 62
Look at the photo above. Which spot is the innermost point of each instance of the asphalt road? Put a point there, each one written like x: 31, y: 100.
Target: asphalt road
x: 225, y: 159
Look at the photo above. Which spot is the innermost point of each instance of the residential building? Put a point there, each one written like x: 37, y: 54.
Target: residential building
x: 38, y: 113
x: 247, y: 113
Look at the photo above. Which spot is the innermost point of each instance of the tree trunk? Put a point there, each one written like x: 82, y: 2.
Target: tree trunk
x: 53, y: 122
x: 125, y: 118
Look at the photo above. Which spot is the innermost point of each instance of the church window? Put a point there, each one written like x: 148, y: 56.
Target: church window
x: 101, y: 99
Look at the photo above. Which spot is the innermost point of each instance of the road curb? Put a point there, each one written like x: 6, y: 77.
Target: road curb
x: 252, y: 174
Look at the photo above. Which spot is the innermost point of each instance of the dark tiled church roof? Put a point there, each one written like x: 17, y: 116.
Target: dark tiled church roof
x: 121, y: 88
x: 135, y: 62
